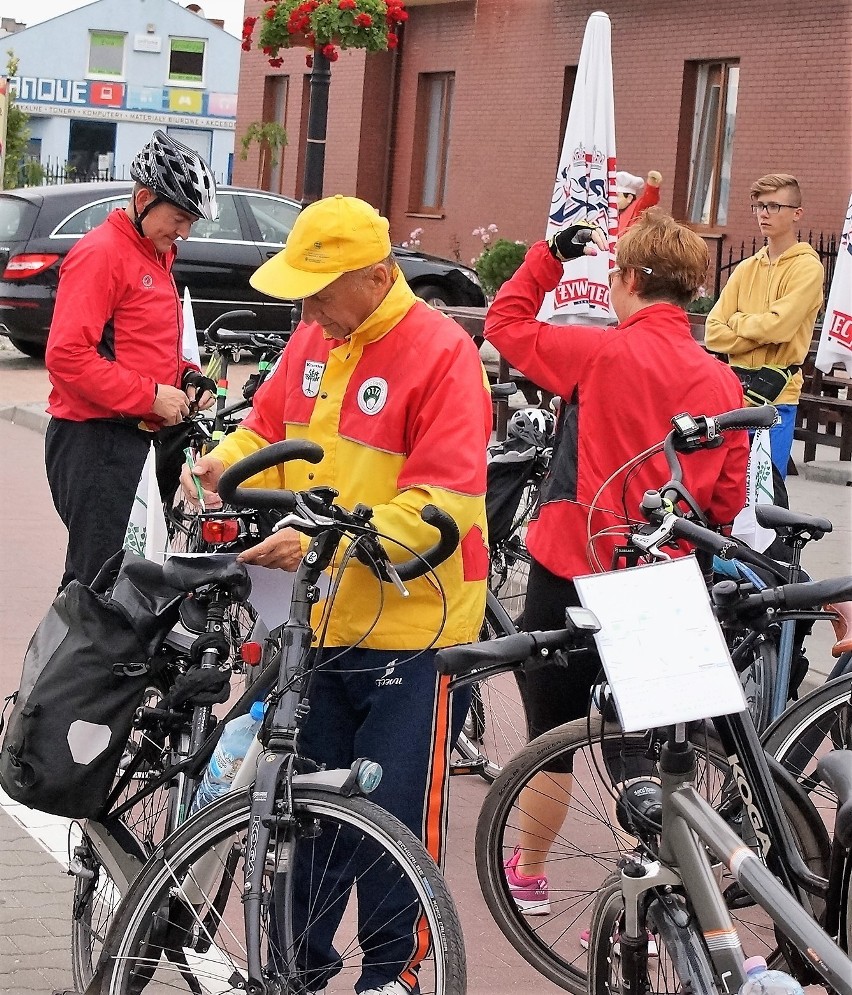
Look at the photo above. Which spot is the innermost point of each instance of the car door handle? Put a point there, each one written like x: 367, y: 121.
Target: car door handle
x: 272, y: 253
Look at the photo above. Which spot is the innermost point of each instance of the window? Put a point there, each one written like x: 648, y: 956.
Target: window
x: 186, y: 61
x: 432, y: 131
x: 713, y: 119
x: 569, y: 81
x: 226, y: 227
x: 274, y: 217
x: 90, y: 216
x: 106, y: 54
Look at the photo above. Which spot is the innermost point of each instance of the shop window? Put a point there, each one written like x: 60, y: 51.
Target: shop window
x: 106, y: 54
x: 432, y: 138
x: 714, y: 115
x: 186, y: 61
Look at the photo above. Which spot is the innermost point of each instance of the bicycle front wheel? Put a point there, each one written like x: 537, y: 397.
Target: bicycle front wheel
x: 676, y: 959
x: 181, y: 926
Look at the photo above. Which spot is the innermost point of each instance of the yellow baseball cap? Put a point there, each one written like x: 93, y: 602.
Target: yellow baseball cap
x: 331, y: 237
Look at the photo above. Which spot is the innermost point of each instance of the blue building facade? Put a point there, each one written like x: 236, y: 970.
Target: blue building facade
x: 97, y: 81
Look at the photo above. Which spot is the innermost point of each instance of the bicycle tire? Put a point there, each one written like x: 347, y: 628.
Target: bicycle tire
x: 682, y: 963
x: 159, y: 913
x: 591, y: 842
x: 496, y: 726
x: 818, y: 722
x: 96, y: 894
x: 758, y: 679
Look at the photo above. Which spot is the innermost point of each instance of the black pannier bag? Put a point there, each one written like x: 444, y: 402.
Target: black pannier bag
x: 509, y: 471
x: 84, y: 675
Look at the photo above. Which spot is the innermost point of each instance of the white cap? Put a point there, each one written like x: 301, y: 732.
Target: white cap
x: 628, y: 183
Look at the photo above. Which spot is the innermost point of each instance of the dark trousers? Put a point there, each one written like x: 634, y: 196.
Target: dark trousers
x: 93, y: 469
x: 394, y: 708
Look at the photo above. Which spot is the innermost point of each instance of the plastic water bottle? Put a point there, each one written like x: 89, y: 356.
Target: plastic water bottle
x: 230, y: 751
x: 761, y: 981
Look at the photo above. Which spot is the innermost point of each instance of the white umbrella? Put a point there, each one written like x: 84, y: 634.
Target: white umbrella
x: 585, y: 182
x: 835, y: 342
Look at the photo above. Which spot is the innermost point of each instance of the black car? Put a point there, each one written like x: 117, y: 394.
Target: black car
x: 38, y: 225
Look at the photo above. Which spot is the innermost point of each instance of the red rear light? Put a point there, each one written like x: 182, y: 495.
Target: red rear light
x: 28, y: 264
x: 251, y: 653
x: 219, y: 530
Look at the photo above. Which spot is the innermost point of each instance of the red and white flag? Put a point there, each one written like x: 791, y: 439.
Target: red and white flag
x: 585, y: 182
x: 835, y: 342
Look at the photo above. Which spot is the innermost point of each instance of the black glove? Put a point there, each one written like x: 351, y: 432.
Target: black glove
x: 571, y: 242
x: 192, y: 378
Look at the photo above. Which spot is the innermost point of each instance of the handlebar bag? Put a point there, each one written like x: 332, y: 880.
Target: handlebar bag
x: 509, y: 471
x: 84, y: 675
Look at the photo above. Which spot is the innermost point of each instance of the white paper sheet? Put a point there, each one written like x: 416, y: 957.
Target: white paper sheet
x: 271, y: 591
x: 662, y: 649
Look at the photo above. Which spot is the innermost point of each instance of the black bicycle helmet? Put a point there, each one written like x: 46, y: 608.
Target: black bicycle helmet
x: 176, y: 174
x: 535, y: 426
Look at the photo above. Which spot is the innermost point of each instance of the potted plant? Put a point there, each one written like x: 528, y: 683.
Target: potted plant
x: 498, y: 260
x: 271, y: 137
x: 327, y: 25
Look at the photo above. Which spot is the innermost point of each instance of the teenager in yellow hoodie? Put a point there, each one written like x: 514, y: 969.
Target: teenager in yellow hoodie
x: 766, y: 312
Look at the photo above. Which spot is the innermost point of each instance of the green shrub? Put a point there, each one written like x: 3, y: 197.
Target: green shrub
x: 701, y: 305
x: 498, y: 262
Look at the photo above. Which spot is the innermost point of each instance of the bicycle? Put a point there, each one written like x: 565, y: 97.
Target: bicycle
x: 591, y: 840
x: 190, y: 916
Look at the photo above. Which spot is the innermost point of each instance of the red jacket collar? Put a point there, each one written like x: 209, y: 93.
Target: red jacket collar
x: 122, y: 222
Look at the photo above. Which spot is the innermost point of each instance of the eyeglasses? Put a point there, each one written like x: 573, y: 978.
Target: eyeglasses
x: 618, y: 269
x: 770, y: 207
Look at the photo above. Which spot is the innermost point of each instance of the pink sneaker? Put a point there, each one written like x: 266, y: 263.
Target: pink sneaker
x: 652, y: 943
x: 530, y: 894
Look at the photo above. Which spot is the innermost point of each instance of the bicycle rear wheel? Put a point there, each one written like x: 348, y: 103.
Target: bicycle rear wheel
x: 681, y: 964
x: 592, y: 839
x: 496, y: 725
x: 182, y: 923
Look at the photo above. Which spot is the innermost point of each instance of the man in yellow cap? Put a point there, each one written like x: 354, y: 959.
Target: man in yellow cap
x: 395, y: 394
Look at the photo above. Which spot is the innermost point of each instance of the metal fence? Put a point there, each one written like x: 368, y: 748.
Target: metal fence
x: 34, y: 173
x: 824, y: 245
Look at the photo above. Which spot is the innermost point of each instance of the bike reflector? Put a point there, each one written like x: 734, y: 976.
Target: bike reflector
x: 218, y: 530
x: 251, y: 653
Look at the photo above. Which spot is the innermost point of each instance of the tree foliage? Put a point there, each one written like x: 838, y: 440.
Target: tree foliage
x: 17, y: 134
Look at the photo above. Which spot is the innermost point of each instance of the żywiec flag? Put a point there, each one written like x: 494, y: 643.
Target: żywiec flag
x: 835, y: 342
x: 189, y: 348
x: 585, y: 182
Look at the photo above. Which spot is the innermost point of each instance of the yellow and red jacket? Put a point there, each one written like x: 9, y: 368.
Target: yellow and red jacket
x: 403, y: 414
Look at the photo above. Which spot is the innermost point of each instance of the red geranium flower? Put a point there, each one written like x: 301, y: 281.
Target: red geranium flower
x: 276, y: 63
x: 393, y: 40
x: 364, y: 21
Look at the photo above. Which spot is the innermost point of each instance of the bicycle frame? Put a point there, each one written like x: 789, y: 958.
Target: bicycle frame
x: 688, y: 821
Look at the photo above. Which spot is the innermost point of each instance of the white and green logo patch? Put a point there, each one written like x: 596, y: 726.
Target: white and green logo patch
x: 372, y: 395
x: 312, y: 377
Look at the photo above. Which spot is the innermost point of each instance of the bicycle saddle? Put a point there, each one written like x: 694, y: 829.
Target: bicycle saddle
x: 189, y: 573
x: 791, y: 522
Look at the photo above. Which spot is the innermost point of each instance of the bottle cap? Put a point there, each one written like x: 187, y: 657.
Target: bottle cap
x: 257, y: 709
x: 754, y: 965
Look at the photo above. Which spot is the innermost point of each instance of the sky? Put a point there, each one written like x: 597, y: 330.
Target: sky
x: 32, y: 12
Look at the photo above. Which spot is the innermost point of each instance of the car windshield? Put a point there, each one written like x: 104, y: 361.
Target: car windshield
x: 275, y: 218
x: 16, y: 217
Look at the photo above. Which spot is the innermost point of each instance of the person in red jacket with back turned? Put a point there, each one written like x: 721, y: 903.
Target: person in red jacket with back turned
x: 621, y: 387
x: 114, y: 352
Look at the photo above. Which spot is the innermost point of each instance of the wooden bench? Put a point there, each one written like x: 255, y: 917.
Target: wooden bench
x: 824, y: 415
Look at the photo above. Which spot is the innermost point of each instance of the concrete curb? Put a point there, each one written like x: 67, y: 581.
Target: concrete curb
x: 825, y: 472
x: 31, y: 416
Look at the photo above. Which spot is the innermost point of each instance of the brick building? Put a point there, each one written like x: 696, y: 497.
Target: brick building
x: 462, y: 126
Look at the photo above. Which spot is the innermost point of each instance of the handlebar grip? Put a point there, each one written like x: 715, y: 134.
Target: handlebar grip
x: 443, y: 548
x: 704, y: 539
x: 762, y: 417
x: 211, y: 331
x: 264, y: 459
x: 812, y: 593
x: 520, y: 646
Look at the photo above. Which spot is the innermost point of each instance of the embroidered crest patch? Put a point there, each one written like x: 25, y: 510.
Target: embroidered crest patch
x: 372, y: 395
x: 312, y: 378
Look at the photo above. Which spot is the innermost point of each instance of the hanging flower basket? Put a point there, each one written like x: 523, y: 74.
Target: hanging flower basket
x: 327, y: 25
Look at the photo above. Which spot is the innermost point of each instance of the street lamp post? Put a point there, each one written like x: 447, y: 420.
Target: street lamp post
x: 317, y: 127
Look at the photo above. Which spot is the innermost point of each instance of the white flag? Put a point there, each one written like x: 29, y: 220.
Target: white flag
x: 835, y: 342
x: 759, y: 490
x: 585, y: 182
x: 146, y: 529
x: 190, y: 333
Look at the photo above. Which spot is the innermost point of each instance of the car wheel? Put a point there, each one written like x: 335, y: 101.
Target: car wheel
x: 434, y: 295
x: 32, y: 349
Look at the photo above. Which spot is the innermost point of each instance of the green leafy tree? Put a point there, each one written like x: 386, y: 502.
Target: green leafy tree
x: 498, y: 262
x: 271, y: 138
x: 17, y: 136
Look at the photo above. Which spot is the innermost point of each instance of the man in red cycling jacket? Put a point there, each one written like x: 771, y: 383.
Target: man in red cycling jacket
x: 114, y: 352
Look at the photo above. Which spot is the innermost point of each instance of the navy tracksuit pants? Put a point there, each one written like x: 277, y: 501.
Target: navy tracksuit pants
x: 394, y: 708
